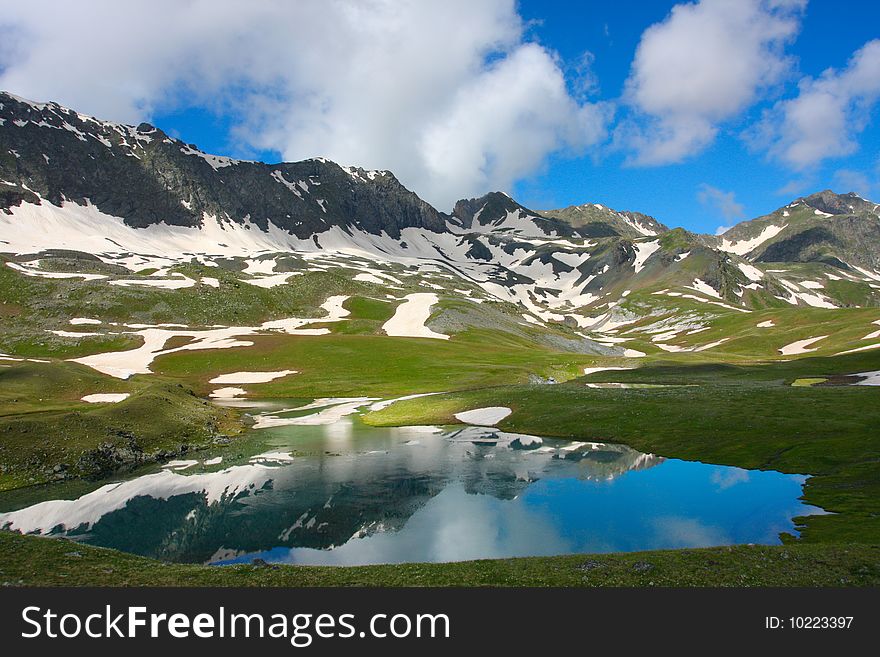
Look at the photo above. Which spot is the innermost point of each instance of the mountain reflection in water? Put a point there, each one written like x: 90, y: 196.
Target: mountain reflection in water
x: 351, y: 494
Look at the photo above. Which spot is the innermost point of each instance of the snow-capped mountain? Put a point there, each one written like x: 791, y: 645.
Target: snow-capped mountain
x: 136, y: 199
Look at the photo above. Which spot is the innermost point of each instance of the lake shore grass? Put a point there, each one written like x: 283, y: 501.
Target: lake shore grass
x: 39, y: 561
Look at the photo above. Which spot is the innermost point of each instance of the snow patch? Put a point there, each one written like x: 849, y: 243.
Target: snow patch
x: 251, y: 377
x: 751, y: 272
x: 488, y: 417
x: 701, y: 286
x: 593, y: 370
x: 643, y: 252
x: 106, y: 398
x: 39, y: 273
x: 336, y: 408
x: 742, y: 247
x: 410, y: 317
x: 800, y: 346
x: 227, y: 393
x: 385, y: 403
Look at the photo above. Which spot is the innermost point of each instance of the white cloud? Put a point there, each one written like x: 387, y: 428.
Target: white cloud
x: 721, y: 202
x: 827, y: 115
x: 726, y: 478
x: 447, y: 94
x: 500, y: 126
x: 705, y: 63
x: 848, y: 180
x: 796, y: 187
x: 673, y: 532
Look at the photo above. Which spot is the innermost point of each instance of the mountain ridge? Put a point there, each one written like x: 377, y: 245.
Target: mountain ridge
x: 132, y: 196
x: 19, y: 112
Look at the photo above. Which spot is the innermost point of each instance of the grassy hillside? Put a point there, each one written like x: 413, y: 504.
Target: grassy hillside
x: 47, y: 433
x: 352, y: 365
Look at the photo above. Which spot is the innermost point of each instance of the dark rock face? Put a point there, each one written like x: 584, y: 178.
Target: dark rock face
x: 146, y: 177
x: 800, y: 247
x: 494, y: 206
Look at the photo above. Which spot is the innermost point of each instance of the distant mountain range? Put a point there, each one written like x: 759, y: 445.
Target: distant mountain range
x: 130, y: 194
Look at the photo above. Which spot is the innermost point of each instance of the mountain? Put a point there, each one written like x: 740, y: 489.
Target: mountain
x: 841, y: 230
x: 595, y: 220
x: 134, y: 207
x: 497, y: 213
x: 146, y: 177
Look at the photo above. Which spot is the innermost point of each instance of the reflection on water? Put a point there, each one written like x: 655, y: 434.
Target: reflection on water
x: 350, y: 494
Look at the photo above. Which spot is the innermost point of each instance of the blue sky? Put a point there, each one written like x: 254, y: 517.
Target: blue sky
x: 699, y: 113
x: 830, y: 31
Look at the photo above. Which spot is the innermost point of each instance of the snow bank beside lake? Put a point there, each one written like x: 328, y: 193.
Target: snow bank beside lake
x: 593, y: 370
x: 227, y: 393
x: 484, y: 417
x: 871, y: 378
x: 333, y: 411
x: 378, y: 406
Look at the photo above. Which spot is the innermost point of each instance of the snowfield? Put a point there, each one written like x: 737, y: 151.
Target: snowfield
x: 32, y: 228
x: 227, y: 393
x: 123, y: 364
x: 558, y: 284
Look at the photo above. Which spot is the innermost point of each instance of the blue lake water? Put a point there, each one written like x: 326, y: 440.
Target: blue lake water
x: 345, y: 493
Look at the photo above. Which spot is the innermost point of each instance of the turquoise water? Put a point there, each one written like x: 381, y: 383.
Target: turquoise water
x: 349, y: 494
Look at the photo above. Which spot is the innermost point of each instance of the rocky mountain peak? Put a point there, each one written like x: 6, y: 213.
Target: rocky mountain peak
x: 493, y: 205
x: 838, y: 204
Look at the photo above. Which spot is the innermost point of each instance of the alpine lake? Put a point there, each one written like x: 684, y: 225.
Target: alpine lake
x: 344, y: 493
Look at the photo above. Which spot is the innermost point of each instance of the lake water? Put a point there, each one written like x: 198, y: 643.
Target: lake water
x: 345, y: 493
